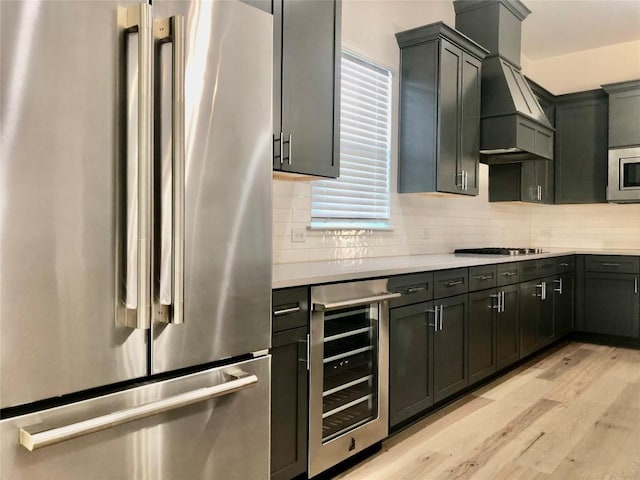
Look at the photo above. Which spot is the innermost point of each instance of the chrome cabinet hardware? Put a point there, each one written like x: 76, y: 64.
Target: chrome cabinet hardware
x: 33, y: 441
x: 543, y: 294
x: 635, y: 285
x: 323, y: 307
x: 559, y: 289
x: 483, y: 277
x: 435, y: 318
x: 461, y: 175
x: 608, y: 264
x: 497, y: 305
x: 454, y: 283
x: 509, y: 274
x: 281, y: 148
x: 290, y: 151
x: 564, y: 264
x: 415, y: 289
x: 285, y: 311
x: 441, y: 316
x: 502, y: 301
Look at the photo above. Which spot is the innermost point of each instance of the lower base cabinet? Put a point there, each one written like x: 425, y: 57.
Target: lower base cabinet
x: 289, y: 405
x: 611, y: 304
x: 411, y: 331
x: 508, y: 327
x: 483, y: 310
x: 536, y: 315
x: 450, y: 347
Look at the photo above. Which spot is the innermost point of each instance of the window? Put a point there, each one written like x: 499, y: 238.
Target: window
x: 360, y: 197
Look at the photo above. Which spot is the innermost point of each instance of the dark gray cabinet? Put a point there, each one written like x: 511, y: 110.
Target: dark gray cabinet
x: 411, y: 330
x: 611, y: 299
x: 536, y: 315
x: 581, y: 147
x: 289, y: 383
x: 450, y: 363
x: 307, y: 55
x: 439, y: 131
x: 508, y: 327
x: 624, y: 113
x: 563, y: 298
x: 483, y: 307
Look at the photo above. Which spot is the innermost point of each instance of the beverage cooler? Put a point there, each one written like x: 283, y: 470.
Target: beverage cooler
x: 348, y: 370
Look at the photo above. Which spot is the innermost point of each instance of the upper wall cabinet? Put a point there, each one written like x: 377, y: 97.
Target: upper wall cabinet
x: 581, y: 147
x: 306, y: 76
x: 624, y: 113
x: 439, y: 131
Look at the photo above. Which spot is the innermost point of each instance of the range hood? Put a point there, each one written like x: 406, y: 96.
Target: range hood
x: 514, y: 127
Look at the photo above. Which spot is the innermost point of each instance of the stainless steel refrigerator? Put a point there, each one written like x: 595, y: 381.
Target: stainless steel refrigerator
x: 135, y: 239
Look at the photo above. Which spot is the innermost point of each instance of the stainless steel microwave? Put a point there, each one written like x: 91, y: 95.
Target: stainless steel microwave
x: 624, y: 175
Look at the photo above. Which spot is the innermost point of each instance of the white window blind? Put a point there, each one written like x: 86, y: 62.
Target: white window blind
x: 360, y: 197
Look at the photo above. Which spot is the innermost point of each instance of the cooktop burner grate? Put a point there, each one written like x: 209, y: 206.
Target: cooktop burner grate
x: 499, y: 251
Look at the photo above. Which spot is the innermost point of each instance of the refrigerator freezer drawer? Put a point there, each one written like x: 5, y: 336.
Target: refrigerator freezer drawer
x: 187, y: 427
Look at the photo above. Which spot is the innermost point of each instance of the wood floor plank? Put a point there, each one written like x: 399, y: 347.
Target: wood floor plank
x: 573, y: 415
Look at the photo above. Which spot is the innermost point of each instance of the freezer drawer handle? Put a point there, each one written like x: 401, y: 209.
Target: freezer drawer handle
x: 323, y: 307
x: 34, y: 441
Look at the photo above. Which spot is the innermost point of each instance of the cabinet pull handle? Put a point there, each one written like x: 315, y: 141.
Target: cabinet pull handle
x: 454, y: 283
x: 461, y: 175
x: 441, y: 316
x: 290, y: 149
x: 435, y: 319
x: 509, y: 274
x: 501, y: 302
x: 543, y: 294
x: 465, y: 178
x: 564, y: 264
x: 497, y: 305
x: 285, y: 311
x: 483, y: 277
x: 414, y: 289
x: 559, y: 289
x: 635, y: 285
x: 281, y: 148
x: 608, y: 264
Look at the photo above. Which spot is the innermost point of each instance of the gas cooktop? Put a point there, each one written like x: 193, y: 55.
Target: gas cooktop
x: 499, y: 251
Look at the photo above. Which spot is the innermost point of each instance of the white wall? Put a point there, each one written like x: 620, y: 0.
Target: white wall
x: 586, y: 70
x: 429, y: 224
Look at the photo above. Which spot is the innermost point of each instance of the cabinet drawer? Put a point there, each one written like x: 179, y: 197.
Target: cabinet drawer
x: 450, y: 282
x: 415, y: 288
x: 565, y: 264
x: 529, y: 270
x: 509, y: 273
x: 482, y: 277
x: 545, y: 267
x: 612, y: 263
x: 290, y: 308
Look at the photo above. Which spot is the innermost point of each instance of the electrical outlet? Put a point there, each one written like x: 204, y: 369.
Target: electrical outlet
x: 425, y: 233
x: 298, y: 235
x: 545, y: 232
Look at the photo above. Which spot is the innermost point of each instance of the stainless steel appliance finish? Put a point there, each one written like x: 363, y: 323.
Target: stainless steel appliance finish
x: 349, y: 371
x: 624, y: 175
x: 499, y: 251
x: 225, y: 437
x: 136, y: 237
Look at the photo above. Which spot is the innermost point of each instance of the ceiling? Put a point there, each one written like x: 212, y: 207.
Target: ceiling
x: 560, y: 27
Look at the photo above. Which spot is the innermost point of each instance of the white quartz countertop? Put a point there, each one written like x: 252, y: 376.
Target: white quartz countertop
x: 313, y: 273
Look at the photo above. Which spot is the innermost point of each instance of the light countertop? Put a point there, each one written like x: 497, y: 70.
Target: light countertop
x: 313, y: 273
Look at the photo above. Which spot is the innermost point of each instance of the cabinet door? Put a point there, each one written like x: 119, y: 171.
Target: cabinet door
x: 482, y: 317
x: 289, y: 404
x: 528, y: 317
x: 507, y: 327
x: 310, y: 71
x: 529, y: 182
x: 450, y: 347
x: 611, y: 304
x: 581, y: 150
x: 470, y: 122
x: 563, y: 304
x: 448, y: 170
x: 410, y: 361
x: 624, y: 127
x: 545, y: 312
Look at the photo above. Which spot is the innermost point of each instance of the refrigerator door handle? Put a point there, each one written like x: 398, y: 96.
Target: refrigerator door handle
x: 33, y: 441
x: 139, y: 19
x: 172, y: 30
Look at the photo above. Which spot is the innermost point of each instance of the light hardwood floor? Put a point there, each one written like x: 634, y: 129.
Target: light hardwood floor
x: 573, y: 413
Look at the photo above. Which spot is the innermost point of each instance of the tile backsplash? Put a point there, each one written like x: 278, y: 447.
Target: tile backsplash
x: 422, y: 224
